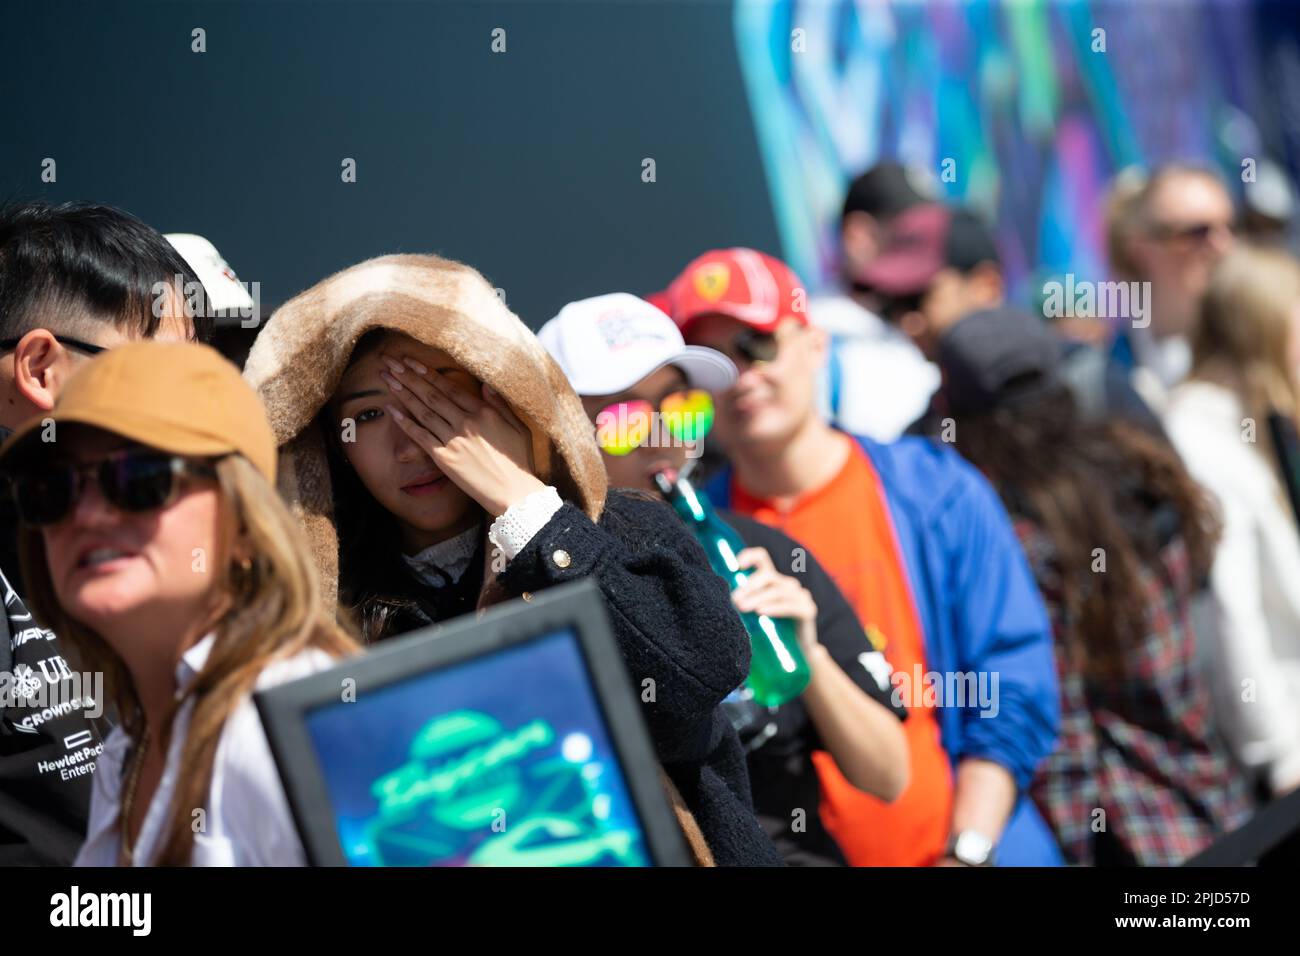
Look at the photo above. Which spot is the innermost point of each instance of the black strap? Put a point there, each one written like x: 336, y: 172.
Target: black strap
x: 1286, y: 445
x: 1273, y: 824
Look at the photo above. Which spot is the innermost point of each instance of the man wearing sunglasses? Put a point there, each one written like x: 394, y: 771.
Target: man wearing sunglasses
x: 1183, y: 223
x: 867, y: 355
x: 627, y: 361
x: 75, y: 279
x: 920, y: 545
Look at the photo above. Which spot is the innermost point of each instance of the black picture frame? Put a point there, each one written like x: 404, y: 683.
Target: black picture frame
x: 577, y: 606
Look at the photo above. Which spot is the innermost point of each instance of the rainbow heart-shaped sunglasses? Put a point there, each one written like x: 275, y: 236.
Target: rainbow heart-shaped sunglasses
x: 622, y: 427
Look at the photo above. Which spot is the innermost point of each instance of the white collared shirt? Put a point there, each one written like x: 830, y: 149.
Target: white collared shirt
x: 1159, y: 365
x: 246, y: 820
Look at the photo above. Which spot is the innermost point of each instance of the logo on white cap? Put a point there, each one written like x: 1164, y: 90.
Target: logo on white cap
x: 621, y: 329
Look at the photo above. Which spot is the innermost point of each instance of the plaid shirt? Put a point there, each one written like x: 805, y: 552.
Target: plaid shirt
x: 1140, y: 747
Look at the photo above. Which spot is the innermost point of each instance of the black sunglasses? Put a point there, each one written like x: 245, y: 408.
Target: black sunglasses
x: 10, y: 344
x: 1198, y: 232
x: 133, y: 480
x: 754, y: 346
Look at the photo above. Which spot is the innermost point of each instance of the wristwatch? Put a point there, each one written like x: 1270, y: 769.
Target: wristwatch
x: 970, y: 847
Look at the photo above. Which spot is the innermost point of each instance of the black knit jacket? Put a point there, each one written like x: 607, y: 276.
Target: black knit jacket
x: 674, y: 623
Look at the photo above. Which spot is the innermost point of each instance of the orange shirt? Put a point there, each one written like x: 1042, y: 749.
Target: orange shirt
x: 847, y: 527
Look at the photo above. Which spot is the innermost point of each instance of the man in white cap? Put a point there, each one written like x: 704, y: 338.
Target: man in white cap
x: 649, y: 395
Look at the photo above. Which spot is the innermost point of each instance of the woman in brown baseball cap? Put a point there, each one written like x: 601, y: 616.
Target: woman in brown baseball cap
x: 153, y: 539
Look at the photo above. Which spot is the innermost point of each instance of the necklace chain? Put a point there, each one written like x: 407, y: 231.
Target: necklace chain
x: 128, y: 798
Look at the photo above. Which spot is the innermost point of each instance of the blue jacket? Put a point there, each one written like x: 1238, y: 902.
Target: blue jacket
x: 981, y: 612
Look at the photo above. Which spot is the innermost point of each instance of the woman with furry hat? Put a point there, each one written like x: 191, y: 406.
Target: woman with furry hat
x: 441, y: 463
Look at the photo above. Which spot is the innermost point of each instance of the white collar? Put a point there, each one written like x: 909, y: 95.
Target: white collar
x: 445, y: 559
x: 192, y: 661
x: 187, y: 669
x: 1170, y: 358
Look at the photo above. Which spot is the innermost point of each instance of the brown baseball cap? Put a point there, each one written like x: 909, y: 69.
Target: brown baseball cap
x: 178, y: 397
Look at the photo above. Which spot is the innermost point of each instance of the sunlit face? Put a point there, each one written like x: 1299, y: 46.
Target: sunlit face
x: 770, y: 401
x: 947, y: 300
x: 429, y: 507
x: 106, y: 564
x: 949, y: 297
x: 1188, y: 229
x: 636, y: 468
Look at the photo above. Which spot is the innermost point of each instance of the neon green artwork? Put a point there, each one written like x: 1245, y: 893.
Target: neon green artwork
x: 475, y: 792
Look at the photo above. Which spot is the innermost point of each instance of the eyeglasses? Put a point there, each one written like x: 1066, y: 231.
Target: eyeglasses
x: 8, y: 345
x: 134, y: 481
x: 622, y: 427
x: 1196, y: 232
x: 750, y: 347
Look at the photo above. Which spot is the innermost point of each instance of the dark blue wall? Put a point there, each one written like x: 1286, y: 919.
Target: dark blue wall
x: 526, y: 164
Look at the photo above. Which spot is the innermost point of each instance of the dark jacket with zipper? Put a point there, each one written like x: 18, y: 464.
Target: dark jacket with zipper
x: 676, y: 627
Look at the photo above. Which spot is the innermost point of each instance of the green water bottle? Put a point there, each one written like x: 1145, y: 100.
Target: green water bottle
x: 778, y: 671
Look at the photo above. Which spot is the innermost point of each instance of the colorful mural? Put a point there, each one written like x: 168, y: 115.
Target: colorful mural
x: 1022, y: 109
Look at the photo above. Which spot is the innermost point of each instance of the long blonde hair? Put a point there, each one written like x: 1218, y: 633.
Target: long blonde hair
x: 1242, y: 338
x: 270, y: 609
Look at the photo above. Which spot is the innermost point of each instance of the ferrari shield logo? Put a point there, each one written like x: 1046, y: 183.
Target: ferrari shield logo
x: 711, y: 281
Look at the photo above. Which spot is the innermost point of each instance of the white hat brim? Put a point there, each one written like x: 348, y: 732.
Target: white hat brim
x: 704, y: 368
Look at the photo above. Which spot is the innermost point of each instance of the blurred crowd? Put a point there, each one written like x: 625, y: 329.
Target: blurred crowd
x: 1042, y: 558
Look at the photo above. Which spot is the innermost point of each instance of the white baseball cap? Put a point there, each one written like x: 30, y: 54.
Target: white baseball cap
x: 224, y: 291
x: 610, y: 342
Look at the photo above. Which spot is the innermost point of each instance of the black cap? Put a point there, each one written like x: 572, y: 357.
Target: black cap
x: 970, y: 242
x: 885, y: 190
x: 996, y: 358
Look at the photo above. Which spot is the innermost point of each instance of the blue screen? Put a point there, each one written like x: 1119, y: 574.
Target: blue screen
x: 503, y: 760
